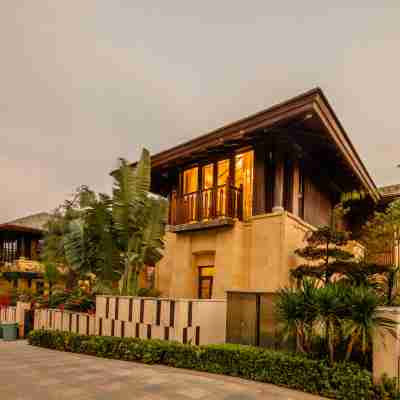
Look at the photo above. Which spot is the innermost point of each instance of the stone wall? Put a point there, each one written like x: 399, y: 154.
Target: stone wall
x: 252, y: 255
x: 386, y: 346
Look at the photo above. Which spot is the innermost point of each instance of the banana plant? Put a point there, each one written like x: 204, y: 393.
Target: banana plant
x: 139, y: 220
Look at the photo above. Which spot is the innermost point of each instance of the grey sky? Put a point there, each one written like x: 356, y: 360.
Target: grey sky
x: 84, y: 82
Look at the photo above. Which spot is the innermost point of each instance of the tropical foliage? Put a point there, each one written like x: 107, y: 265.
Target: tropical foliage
x: 334, y: 302
x: 78, y: 300
x: 110, y: 238
x: 343, y: 316
x: 139, y: 220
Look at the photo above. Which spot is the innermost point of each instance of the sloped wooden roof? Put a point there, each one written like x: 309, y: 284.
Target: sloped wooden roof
x: 312, y: 103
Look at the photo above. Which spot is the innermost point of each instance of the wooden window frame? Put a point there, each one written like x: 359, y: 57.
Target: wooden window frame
x: 205, y: 278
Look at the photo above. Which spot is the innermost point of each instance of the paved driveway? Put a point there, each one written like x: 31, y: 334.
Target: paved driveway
x: 33, y: 373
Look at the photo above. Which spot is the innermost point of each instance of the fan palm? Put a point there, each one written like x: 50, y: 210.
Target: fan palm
x: 297, y: 312
x: 331, y: 308
x: 364, y: 319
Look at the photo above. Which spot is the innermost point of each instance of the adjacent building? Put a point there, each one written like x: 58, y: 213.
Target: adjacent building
x: 20, y: 245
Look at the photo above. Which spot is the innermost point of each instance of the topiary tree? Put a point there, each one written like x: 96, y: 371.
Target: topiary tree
x: 324, y: 253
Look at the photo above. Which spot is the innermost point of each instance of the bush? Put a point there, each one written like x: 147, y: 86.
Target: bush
x: 74, y: 300
x: 345, y: 381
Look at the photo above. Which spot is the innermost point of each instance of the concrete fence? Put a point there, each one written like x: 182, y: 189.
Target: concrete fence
x: 8, y: 314
x: 186, y: 321
x: 183, y: 320
x: 68, y: 321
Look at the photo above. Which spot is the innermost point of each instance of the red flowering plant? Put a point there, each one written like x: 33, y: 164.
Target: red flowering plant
x: 5, y: 301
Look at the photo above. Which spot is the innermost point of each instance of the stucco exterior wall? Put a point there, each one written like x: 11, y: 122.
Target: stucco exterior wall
x: 386, y: 346
x: 252, y: 255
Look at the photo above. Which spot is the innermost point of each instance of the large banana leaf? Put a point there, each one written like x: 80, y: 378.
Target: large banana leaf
x: 130, y: 196
x: 74, y: 246
x: 155, y: 230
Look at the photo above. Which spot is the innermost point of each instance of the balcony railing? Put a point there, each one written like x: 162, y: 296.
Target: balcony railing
x: 225, y: 201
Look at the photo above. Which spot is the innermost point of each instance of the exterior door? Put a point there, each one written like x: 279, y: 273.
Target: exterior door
x: 242, y: 318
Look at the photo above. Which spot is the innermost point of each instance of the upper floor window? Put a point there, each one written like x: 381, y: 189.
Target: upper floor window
x: 190, y: 180
x: 223, y: 188
x: 244, y: 177
x: 208, y: 176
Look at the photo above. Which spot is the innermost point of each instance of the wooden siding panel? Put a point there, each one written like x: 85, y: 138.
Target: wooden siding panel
x: 317, y: 204
x: 259, y: 193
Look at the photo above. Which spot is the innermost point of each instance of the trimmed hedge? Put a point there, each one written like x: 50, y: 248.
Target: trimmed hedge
x: 344, y: 381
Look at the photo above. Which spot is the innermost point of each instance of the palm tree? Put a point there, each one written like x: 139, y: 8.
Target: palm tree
x: 363, y: 319
x: 330, y: 309
x: 296, y: 310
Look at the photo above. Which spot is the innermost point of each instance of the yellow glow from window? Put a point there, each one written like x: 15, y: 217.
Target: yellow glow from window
x: 190, y: 180
x: 223, y: 172
x: 208, y: 176
x: 244, y: 178
x: 206, y: 271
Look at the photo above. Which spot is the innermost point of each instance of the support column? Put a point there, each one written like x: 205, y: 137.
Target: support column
x: 278, y: 182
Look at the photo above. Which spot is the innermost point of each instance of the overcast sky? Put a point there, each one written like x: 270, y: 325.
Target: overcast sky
x: 83, y: 82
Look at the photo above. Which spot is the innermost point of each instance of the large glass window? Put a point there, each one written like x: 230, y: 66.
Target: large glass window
x: 208, y: 176
x: 190, y: 187
x: 190, y: 180
x: 223, y: 177
x: 244, y: 178
x: 207, y: 192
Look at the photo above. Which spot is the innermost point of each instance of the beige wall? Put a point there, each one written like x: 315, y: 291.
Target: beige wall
x: 386, y: 347
x: 183, y: 320
x: 255, y: 254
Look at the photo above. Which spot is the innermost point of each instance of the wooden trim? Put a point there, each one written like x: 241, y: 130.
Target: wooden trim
x: 288, y: 184
x: 325, y: 112
x: 279, y: 179
x: 286, y: 110
x: 259, y: 185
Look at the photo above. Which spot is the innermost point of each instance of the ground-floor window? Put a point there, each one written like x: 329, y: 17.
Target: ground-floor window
x: 206, y: 278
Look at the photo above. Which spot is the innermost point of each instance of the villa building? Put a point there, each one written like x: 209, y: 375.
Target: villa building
x: 243, y: 197
x: 19, y: 253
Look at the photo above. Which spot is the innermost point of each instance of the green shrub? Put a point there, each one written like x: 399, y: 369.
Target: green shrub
x: 344, y: 381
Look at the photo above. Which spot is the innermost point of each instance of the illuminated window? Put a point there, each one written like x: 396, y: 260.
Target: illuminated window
x: 206, y: 279
x: 223, y: 176
x: 207, y: 186
x: 208, y: 176
x: 223, y: 172
x: 190, y: 180
x: 244, y: 178
x: 190, y: 187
